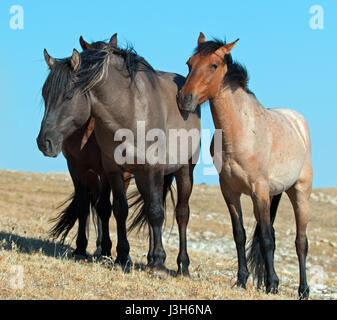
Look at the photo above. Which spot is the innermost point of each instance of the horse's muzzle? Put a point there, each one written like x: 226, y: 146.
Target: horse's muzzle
x: 50, y: 147
x: 187, y: 102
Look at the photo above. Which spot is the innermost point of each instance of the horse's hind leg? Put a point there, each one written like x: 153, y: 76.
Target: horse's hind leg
x: 184, y: 180
x: 104, y: 213
x: 261, y: 203
x: 83, y: 209
x: 151, y: 246
x: 299, y: 196
x: 234, y: 206
x: 98, y: 251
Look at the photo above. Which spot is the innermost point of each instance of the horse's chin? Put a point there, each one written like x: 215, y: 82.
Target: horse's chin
x: 52, y: 153
x: 188, y: 107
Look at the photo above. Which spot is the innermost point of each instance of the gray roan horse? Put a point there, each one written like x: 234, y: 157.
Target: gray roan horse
x: 265, y: 152
x: 121, y: 90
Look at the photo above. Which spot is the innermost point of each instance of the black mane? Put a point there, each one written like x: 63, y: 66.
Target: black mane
x: 236, y: 73
x: 57, y: 80
x: 133, y: 62
x: 94, y: 63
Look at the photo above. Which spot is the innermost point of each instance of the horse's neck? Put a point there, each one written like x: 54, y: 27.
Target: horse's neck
x: 233, y: 113
x: 111, y: 102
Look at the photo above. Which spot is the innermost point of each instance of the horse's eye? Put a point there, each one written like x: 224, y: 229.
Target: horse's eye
x: 68, y: 95
x: 214, y: 66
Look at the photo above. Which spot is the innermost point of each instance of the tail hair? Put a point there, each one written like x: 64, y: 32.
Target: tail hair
x: 65, y: 220
x: 139, y: 217
x: 255, y: 257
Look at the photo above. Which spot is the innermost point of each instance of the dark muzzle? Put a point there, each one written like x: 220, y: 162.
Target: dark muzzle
x: 49, y: 145
x: 187, y: 102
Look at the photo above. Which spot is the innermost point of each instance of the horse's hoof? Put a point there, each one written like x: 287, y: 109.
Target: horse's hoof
x: 241, y: 285
x: 183, y: 273
x: 242, y: 279
x: 78, y: 256
x: 272, y: 290
x: 124, y: 263
x: 98, y: 252
x: 304, y: 293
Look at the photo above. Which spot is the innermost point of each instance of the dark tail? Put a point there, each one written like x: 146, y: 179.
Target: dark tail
x: 66, y: 219
x: 139, y: 217
x: 255, y: 258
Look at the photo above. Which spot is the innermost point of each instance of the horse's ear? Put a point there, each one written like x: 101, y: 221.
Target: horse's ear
x: 113, y: 41
x: 85, y: 45
x: 49, y: 60
x: 75, y: 60
x: 226, y: 49
x: 201, y: 38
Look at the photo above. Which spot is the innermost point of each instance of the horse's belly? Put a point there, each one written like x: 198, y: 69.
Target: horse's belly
x: 282, y: 177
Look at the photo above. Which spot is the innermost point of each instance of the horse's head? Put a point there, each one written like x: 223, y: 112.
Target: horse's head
x: 207, y: 69
x: 66, y: 107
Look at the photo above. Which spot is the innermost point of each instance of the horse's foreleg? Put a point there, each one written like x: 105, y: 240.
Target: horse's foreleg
x: 83, y: 209
x: 234, y: 206
x: 184, y: 180
x: 151, y: 189
x: 261, y: 203
x: 120, y: 210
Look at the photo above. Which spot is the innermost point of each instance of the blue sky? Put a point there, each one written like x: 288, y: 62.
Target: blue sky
x: 290, y: 65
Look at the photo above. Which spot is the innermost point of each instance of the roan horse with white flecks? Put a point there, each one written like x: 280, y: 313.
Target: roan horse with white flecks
x: 265, y: 152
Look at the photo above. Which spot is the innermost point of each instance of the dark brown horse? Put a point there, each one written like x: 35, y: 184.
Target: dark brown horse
x: 265, y: 152
x: 91, y: 188
x: 136, y: 111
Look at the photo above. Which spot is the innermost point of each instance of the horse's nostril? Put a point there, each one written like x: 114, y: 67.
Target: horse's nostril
x: 48, y: 145
x: 44, y: 144
x: 188, y: 98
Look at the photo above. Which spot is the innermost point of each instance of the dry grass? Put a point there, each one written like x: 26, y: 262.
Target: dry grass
x: 28, y: 201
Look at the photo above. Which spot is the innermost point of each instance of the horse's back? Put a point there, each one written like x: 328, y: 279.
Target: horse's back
x: 297, y: 123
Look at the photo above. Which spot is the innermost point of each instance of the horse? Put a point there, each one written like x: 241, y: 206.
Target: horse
x: 265, y: 152
x: 91, y: 188
x: 135, y: 109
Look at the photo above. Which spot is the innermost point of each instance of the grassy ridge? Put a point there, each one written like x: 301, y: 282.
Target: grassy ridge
x: 28, y: 201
